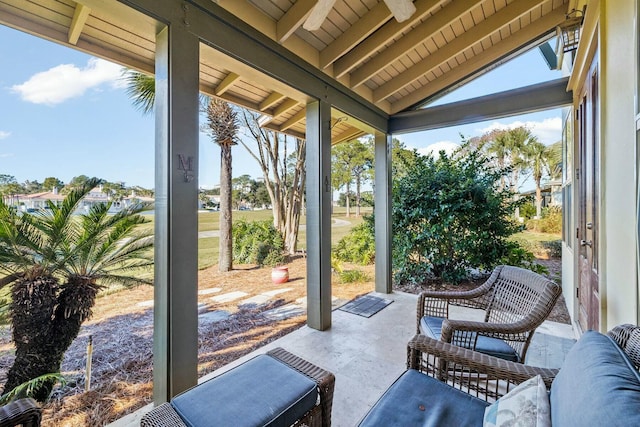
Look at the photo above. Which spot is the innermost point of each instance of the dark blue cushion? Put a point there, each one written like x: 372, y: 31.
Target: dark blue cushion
x: 432, y: 327
x: 596, y: 386
x: 416, y: 400
x: 260, y: 392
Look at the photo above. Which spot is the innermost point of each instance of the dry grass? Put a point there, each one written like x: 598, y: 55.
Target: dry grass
x: 122, y: 331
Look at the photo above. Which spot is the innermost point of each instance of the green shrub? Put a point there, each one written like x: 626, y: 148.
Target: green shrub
x: 353, y: 276
x: 528, y: 210
x: 520, y: 257
x: 257, y: 242
x: 448, y: 217
x: 551, y: 221
x: 359, y: 246
x: 553, y: 248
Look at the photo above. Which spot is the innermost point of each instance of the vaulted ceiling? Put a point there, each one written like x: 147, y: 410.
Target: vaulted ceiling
x: 395, y: 65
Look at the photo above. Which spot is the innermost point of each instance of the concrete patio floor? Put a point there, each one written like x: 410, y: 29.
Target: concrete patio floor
x: 367, y: 354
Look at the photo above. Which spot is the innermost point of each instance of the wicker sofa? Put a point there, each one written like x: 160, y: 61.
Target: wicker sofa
x: 273, y: 389
x: 598, y: 384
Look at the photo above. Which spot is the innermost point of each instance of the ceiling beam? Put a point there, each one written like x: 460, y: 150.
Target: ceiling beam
x: 293, y: 19
x: 504, y: 49
x: 294, y: 120
x: 431, y: 26
x: 284, y: 107
x: 489, y: 26
x: 289, y: 132
x: 80, y: 16
x: 378, y: 39
x: 228, y: 97
x: 356, y: 33
x: 226, y: 83
x: 271, y: 100
x: 14, y: 18
x: 347, y: 135
x: 529, y: 99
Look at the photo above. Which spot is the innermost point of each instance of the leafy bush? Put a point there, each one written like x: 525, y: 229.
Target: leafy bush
x: 520, y: 257
x: 257, y: 242
x: 448, y: 217
x: 528, y: 210
x: 551, y: 221
x: 553, y: 248
x: 359, y: 245
x: 353, y: 276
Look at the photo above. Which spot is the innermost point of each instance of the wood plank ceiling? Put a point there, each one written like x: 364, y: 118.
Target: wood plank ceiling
x: 397, y: 66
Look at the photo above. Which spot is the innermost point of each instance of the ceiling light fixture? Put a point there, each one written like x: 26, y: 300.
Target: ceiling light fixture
x: 401, y: 10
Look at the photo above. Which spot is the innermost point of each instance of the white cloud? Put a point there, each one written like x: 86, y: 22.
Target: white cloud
x: 448, y: 146
x: 548, y: 130
x: 67, y: 81
x: 5, y: 155
x: 4, y: 134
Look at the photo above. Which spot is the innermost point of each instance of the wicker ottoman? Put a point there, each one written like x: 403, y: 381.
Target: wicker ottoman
x: 275, y: 389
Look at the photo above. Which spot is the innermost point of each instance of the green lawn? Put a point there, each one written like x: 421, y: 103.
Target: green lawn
x: 208, y: 248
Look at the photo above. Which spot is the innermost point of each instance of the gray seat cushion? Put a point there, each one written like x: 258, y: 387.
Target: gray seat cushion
x: 596, y: 386
x: 416, y: 400
x: 432, y: 327
x: 260, y: 392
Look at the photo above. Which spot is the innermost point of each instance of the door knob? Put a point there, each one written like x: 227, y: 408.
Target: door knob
x: 586, y: 243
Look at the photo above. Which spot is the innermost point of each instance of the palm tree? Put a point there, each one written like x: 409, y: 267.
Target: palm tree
x: 537, y: 156
x: 86, y: 252
x: 223, y: 126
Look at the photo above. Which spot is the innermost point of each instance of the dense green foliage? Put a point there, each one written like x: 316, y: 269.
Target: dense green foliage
x: 551, y: 221
x: 359, y: 245
x: 448, y: 217
x: 257, y: 242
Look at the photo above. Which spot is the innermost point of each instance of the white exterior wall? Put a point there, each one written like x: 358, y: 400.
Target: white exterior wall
x: 618, y: 75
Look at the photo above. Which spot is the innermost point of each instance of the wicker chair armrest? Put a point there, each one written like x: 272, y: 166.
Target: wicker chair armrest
x: 465, y: 330
x: 162, y: 416
x: 460, y: 366
x: 24, y: 412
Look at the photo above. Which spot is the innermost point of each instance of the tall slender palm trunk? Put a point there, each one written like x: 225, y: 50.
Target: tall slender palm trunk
x: 225, y: 262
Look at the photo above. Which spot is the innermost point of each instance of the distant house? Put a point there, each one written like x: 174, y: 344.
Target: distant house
x: 551, y: 194
x: 28, y: 202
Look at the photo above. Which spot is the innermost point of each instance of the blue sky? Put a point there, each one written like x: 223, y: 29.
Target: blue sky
x: 64, y: 113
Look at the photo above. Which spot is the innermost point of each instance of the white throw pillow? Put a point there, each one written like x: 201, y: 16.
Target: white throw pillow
x: 524, y: 406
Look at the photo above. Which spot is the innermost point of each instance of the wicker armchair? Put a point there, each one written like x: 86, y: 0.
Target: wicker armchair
x: 516, y: 302
x: 319, y: 416
x: 488, y: 377
x: 24, y: 412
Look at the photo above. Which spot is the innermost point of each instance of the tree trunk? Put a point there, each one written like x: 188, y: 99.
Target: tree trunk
x: 358, y: 195
x: 32, y: 310
x: 348, y: 214
x: 225, y: 262
x: 45, y: 325
x: 538, y: 199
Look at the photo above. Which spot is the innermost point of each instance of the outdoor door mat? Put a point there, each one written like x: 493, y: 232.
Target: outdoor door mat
x: 366, y: 305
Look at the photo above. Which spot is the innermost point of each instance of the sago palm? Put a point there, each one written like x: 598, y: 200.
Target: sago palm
x: 85, y: 252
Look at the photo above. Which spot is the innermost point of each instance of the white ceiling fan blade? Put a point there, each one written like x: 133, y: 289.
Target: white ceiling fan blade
x: 318, y: 14
x: 401, y: 9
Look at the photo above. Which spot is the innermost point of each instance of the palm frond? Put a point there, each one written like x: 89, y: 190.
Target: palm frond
x: 141, y: 88
x: 28, y: 388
